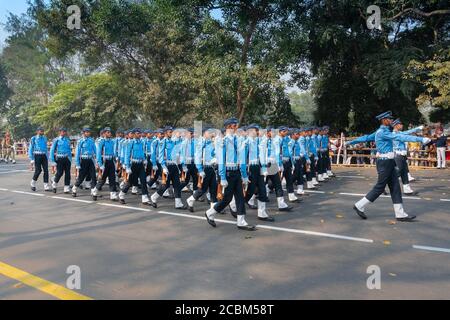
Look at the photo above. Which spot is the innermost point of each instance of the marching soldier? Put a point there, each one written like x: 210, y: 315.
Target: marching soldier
x: 387, y: 174
x: 298, y: 152
x: 188, y: 150
x: 135, y: 162
x: 233, y: 175
x: 401, y: 159
x: 156, y: 166
x: 85, y: 163
x: 169, y: 154
x: 286, y: 162
x: 37, y: 153
x: 326, y: 152
x: 257, y: 183
x: 61, y: 157
x: 105, y: 162
x: 205, y: 161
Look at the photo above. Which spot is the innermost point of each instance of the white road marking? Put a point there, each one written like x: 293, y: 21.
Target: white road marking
x: 29, y: 193
x: 412, y: 198
x: 71, y: 199
x: 358, y: 177
x: 1, y: 189
x: 314, y: 233
x: 445, y: 200
x: 13, y: 171
x: 314, y: 191
x: 352, y: 194
x: 431, y: 248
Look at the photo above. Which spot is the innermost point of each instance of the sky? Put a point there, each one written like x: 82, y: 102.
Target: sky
x: 7, y: 6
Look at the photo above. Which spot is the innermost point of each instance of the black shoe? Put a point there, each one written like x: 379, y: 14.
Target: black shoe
x: 298, y: 200
x: 184, y: 207
x: 252, y: 206
x: 268, y: 219
x: 285, y: 209
x: 234, y: 213
x: 360, y: 213
x: 247, y: 228
x: 212, y: 223
x: 74, y: 194
x: 414, y: 193
x: 153, y: 204
x: 385, y: 193
x: 122, y: 201
x: 54, y: 190
x: 33, y: 188
x: 191, y: 209
x: 94, y: 198
x: 407, y: 219
x: 148, y: 203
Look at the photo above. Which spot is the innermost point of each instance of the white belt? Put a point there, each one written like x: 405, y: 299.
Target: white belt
x: 189, y: 160
x: 253, y: 162
x: 232, y: 167
x: 86, y: 157
x: 171, y: 162
x: 59, y: 156
x: 401, y: 152
x: 108, y: 157
x: 39, y: 152
x: 389, y: 155
x: 137, y: 161
x: 286, y: 159
x: 297, y: 158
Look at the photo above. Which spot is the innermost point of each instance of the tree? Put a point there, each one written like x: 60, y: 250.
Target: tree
x: 304, y: 106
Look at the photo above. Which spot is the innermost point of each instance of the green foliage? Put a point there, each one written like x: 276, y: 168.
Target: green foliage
x: 303, y: 106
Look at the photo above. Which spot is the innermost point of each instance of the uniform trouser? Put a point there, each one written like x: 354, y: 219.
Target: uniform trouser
x: 287, y: 175
x: 137, y: 173
x: 235, y: 189
x: 192, y: 172
x: 327, y: 160
x: 209, y: 182
x: 276, y: 183
x: 110, y: 173
x: 441, y: 160
x: 63, y: 167
x: 8, y: 153
x: 257, y: 184
x: 172, y: 178
x: 299, y: 166
x: 322, y: 162
x: 402, y: 167
x: 40, y: 164
x: 312, y: 169
x: 148, y: 168
x: 157, y: 174
x: 387, y: 175
x: 87, y: 169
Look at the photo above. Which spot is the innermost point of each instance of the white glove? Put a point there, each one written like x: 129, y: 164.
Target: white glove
x: 128, y: 170
x: 265, y: 173
x: 426, y: 140
x: 245, y: 181
x: 213, y: 161
x: 165, y: 171
x: 202, y: 174
x: 145, y: 163
x: 155, y: 168
x: 32, y: 162
x: 102, y: 168
x: 281, y: 169
x: 185, y: 169
x: 421, y: 127
x: 77, y: 167
x: 224, y: 183
x: 308, y: 161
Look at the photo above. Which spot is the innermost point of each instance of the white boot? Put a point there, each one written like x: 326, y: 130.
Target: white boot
x: 262, y: 210
x: 410, y: 177
x: 233, y: 205
x: 166, y: 193
x: 185, y: 189
x: 190, y: 201
x: 122, y: 196
x: 74, y: 189
x: 320, y: 178
x: 252, y: 200
x: 178, y: 203
x: 148, y: 178
x: 300, y: 190
x: 33, y: 185
x: 407, y: 189
x: 360, y: 205
x: 46, y: 187
x: 66, y: 189
x: 329, y: 173
x: 155, y: 197
x: 281, y: 203
x: 113, y: 196
x: 145, y: 198
x: 54, y: 185
x: 292, y: 197
x: 241, y: 221
x: 211, y: 213
x: 134, y: 190
x: 310, y: 185
x: 314, y: 181
x: 94, y: 192
x: 208, y: 196
x: 122, y: 185
x: 267, y: 189
x: 399, y: 212
x: 213, y: 204
x: 325, y: 175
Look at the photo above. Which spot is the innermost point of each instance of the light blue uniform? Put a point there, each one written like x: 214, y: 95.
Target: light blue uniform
x: 61, y: 146
x: 38, y: 145
x: 85, y: 150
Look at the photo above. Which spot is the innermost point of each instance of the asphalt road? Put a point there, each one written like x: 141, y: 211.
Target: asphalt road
x: 320, y: 250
